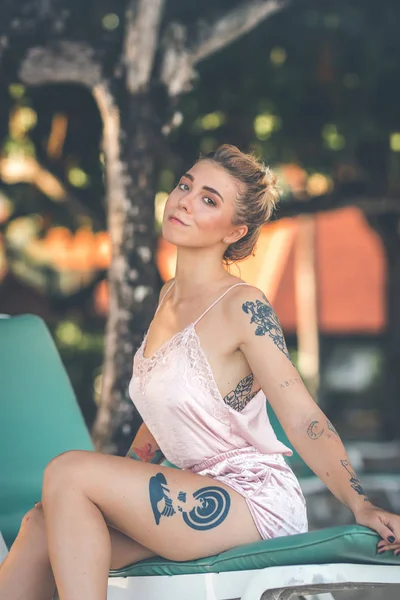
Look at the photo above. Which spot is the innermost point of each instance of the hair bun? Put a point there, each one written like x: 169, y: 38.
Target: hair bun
x: 257, y: 198
x: 270, y: 179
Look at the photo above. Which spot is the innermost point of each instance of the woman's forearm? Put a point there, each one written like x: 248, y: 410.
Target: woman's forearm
x: 320, y: 446
x: 145, y: 453
x: 145, y: 448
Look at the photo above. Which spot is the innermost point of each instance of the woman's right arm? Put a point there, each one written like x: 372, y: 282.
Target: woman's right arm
x: 145, y: 448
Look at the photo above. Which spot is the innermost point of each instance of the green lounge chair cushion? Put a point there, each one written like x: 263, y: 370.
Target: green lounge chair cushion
x: 39, y: 416
x: 345, y: 544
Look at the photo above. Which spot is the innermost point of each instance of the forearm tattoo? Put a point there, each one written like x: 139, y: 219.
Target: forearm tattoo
x: 355, y: 482
x: 263, y: 315
x: 242, y: 394
x: 315, y: 430
x: 331, y: 428
x: 211, y: 504
x: 146, y: 454
x: 290, y: 383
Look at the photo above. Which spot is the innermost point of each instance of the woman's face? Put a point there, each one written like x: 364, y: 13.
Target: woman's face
x: 199, y: 211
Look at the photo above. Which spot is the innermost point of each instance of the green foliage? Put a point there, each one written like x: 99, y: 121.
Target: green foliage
x: 317, y: 85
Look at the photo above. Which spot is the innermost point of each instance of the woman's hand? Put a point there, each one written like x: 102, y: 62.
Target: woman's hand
x: 386, y: 524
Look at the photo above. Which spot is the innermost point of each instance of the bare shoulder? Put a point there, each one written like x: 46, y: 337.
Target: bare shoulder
x: 236, y: 301
x: 241, y: 298
x: 251, y: 313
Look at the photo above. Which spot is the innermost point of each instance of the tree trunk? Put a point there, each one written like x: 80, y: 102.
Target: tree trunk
x: 155, y: 65
x: 131, y: 135
x: 387, y: 227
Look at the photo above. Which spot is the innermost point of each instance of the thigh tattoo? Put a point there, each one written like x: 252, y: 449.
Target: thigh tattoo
x: 211, y: 508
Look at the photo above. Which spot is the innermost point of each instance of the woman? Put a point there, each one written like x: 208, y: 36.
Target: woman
x: 214, y: 351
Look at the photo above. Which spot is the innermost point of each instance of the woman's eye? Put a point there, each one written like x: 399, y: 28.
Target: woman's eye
x: 183, y: 186
x: 211, y: 201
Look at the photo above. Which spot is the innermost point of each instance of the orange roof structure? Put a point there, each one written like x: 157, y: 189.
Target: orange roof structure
x: 350, y: 271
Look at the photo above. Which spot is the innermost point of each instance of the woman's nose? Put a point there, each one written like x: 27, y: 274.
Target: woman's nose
x: 185, y: 201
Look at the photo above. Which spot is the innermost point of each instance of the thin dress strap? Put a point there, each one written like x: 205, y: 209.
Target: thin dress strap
x: 162, y: 299
x: 217, y: 300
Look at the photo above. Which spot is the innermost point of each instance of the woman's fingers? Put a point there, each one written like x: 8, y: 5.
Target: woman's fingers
x: 392, y: 542
x: 386, y: 548
x: 387, y: 525
x: 386, y: 531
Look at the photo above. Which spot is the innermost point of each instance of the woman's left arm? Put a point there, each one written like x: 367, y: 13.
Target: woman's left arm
x: 306, y: 426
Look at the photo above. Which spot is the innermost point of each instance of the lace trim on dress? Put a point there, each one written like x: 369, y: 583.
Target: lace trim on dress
x: 201, y: 372
x: 144, y: 365
x: 200, y: 369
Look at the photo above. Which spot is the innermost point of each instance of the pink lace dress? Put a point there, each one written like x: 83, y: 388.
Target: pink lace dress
x: 177, y: 396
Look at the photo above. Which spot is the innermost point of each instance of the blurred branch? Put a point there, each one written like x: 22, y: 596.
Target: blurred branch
x: 293, y: 207
x: 211, y: 37
x: 62, y: 62
x: 27, y: 169
x: 181, y: 54
x: 58, y: 132
x: 177, y: 72
x: 143, y: 19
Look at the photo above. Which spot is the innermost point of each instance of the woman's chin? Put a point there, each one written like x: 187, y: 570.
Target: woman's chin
x: 171, y: 235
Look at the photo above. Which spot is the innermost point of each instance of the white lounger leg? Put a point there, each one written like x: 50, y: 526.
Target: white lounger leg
x: 310, y: 579
x: 286, y: 594
x: 272, y: 583
x: 3, y: 549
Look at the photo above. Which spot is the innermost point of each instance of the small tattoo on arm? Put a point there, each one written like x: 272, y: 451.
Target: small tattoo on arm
x: 331, y: 428
x: 145, y: 454
x: 315, y: 430
x: 290, y: 382
x: 263, y: 315
x: 242, y: 394
x: 211, y: 508
x: 355, y: 482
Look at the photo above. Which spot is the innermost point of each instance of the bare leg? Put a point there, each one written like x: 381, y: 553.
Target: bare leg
x: 26, y: 573
x: 174, y: 513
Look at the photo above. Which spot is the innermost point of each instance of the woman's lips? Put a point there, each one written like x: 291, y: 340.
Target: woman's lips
x: 177, y: 221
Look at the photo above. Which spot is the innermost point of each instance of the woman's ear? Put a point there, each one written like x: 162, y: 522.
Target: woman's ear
x: 237, y: 234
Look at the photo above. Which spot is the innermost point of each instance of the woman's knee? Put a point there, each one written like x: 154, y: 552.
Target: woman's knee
x: 32, y: 535
x: 62, y: 471
x: 33, y: 521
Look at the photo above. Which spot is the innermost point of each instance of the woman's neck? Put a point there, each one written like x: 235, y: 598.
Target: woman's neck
x: 196, y: 272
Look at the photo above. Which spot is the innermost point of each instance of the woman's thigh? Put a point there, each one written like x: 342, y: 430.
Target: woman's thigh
x: 174, y: 513
x: 126, y: 551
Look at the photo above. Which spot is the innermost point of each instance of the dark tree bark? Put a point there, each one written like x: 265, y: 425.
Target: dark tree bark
x: 133, y: 280
x: 134, y: 80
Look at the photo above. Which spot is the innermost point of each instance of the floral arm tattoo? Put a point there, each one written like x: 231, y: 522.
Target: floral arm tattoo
x: 267, y: 323
x: 146, y: 454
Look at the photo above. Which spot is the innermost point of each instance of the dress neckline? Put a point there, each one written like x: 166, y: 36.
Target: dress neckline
x: 165, y: 348
x: 165, y: 344
x: 192, y: 324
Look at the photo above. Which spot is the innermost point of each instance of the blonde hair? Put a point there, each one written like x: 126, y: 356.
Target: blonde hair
x: 258, y: 194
